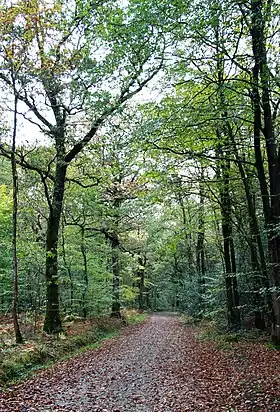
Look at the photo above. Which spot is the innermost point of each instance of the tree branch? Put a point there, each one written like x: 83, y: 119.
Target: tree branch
x: 124, y: 96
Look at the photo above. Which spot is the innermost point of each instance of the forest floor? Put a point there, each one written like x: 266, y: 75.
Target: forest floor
x: 159, y: 365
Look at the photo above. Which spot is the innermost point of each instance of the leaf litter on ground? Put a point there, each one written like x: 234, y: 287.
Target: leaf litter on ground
x: 157, y: 366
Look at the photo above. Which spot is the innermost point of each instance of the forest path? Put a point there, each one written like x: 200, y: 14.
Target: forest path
x: 152, y: 367
x: 132, y: 372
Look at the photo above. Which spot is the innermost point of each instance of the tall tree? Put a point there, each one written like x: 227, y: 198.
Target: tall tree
x: 67, y: 55
x: 258, y: 18
x: 18, y: 335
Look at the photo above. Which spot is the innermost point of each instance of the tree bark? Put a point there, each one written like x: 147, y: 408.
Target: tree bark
x: 231, y: 281
x: 233, y: 311
x: 52, y: 322
x: 260, y: 275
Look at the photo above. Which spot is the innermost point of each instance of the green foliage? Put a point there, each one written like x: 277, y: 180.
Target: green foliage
x: 186, y: 319
x: 224, y: 341
x: 5, y: 247
x: 132, y: 317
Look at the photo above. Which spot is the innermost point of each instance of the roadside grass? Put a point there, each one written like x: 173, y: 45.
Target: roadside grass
x: 209, y: 331
x: 18, y: 362
x: 133, y: 317
x: 188, y: 320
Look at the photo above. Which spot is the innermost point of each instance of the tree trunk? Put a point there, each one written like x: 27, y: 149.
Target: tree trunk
x: 231, y: 281
x: 188, y: 236
x: 233, y: 310
x: 141, y: 275
x: 18, y: 335
x: 200, y: 252
x: 68, y: 271
x: 116, y: 306
x: 177, y: 280
x: 52, y: 322
x: 271, y: 205
x: 260, y: 275
x: 84, y: 253
x: 259, y: 269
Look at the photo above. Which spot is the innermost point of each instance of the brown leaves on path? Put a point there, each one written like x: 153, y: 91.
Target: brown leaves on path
x: 157, y: 366
x: 244, y: 377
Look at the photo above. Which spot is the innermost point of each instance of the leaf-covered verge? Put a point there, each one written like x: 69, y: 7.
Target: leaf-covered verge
x: 40, y: 351
x: 234, y: 372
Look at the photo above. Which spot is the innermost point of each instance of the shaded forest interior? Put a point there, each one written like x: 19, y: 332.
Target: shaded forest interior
x: 140, y: 161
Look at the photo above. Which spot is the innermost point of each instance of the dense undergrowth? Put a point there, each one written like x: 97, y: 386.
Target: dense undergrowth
x: 17, y: 362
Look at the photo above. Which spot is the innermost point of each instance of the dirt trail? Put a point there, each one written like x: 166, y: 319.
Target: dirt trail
x: 156, y: 367
x: 129, y: 373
